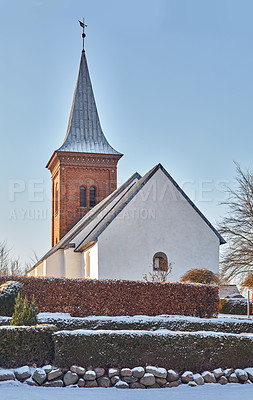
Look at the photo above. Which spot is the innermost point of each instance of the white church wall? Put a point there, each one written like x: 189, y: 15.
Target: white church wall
x: 90, y: 259
x: 158, y: 219
x: 55, y: 265
x: 79, y: 237
x: 73, y: 264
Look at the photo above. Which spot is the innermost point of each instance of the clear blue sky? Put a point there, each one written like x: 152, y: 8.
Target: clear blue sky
x: 172, y: 81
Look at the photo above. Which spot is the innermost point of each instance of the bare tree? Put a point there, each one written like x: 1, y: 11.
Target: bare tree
x: 237, y: 229
x: 13, y: 266
x: 4, y: 258
x: 160, y: 274
x: 29, y: 264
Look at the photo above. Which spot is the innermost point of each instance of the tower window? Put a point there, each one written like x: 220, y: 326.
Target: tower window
x: 83, y: 196
x: 93, y: 196
x: 56, y: 206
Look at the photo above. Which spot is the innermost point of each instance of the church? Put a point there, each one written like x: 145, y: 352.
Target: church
x: 102, y: 231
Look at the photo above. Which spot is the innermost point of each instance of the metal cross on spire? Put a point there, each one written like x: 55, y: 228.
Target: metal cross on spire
x: 83, y: 25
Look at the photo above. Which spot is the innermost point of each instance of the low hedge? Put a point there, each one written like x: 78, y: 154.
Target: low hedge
x: 234, y: 306
x: 84, y: 297
x: 5, y: 320
x: 169, y: 322
x: 21, y: 345
x: 178, y: 350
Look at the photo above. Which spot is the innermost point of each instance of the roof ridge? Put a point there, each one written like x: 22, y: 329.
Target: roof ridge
x: 129, y: 196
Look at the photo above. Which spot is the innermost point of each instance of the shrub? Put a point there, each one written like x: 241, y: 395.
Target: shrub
x: 83, y: 297
x: 24, y: 313
x: 22, y: 345
x: 248, y: 283
x: 233, y: 306
x: 169, y: 322
x: 200, y: 275
x: 178, y: 350
x: 8, y: 293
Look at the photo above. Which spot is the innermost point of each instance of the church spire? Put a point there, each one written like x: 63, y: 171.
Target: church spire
x: 84, y: 133
x: 84, y: 168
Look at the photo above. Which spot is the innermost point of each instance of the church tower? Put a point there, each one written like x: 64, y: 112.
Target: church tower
x: 84, y: 168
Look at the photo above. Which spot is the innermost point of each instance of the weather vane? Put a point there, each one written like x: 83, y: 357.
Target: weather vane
x: 83, y: 25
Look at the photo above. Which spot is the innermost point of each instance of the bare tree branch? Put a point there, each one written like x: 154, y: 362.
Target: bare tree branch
x: 13, y: 266
x: 237, y: 228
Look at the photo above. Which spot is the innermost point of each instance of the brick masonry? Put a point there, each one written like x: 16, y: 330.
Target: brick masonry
x: 69, y: 172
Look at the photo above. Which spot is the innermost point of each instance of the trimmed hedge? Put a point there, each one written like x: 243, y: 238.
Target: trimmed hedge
x: 234, y: 306
x: 8, y: 293
x: 180, y: 351
x: 169, y: 322
x: 5, y: 320
x: 22, y: 345
x: 84, y: 297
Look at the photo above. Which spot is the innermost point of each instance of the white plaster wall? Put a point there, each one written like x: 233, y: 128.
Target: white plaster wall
x: 93, y: 254
x: 86, y: 230
x: 31, y: 273
x: 73, y: 264
x: 55, y: 264
x: 63, y: 263
x: 158, y: 219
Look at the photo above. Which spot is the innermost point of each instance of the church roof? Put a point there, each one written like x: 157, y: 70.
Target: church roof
x: 84, y: 133
x: 109, y: 208
x: 127, y: 197
x: 88, y: 218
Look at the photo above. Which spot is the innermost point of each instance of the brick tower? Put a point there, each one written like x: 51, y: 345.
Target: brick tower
x: 84, y: 168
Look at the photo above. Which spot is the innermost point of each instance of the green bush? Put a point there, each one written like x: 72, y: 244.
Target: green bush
x: 8, y: 293
x: 177, y: 350
x: 22, y: 345
x: 24, y: 313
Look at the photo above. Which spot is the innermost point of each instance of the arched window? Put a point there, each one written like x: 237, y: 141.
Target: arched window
x: 83, y: 196
x: 93, y: 196
x: 160, y: 262
x: 56, y: 204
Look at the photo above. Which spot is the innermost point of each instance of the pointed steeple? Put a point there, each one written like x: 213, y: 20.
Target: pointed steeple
x: 84, y: 133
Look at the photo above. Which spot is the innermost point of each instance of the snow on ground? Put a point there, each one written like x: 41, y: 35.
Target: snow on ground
x: 231, y: 391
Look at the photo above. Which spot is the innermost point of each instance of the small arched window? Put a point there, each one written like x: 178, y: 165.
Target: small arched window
x: 56, y: 204
x: 83, y: 196
x: 93, y: 196
x: 160, y: 262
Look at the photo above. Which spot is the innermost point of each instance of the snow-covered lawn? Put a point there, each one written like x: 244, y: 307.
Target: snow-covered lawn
x: 231, y: 391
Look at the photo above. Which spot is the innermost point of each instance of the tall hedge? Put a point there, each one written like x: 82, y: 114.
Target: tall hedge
x: 21, y: 345
x: 179, y: 350
x: 84, y: 297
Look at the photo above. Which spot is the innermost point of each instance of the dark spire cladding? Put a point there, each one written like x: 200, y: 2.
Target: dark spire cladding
x: 84, y: 133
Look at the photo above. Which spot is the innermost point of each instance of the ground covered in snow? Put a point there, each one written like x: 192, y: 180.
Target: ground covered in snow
x: 16, y: 391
